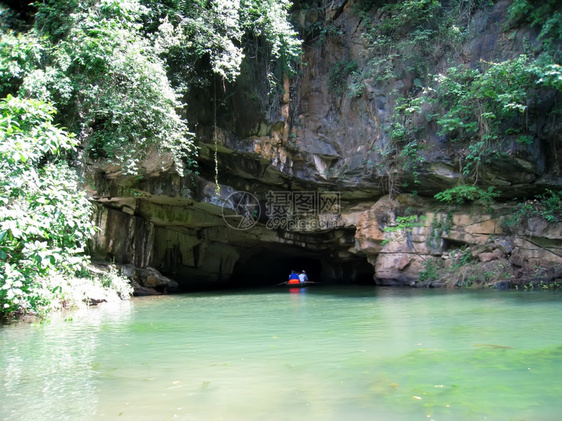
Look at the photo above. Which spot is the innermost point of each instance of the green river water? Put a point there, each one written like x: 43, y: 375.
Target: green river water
x: 321, y: 353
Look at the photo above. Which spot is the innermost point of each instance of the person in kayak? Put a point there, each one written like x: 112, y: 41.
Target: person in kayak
x: 302, y: 277
x: 294, y: 278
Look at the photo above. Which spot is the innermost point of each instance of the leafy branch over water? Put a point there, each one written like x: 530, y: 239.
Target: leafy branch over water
x: 45, y: 219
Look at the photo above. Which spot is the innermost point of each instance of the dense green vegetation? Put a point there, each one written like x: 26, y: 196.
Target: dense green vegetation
x: 115, y: 74
x: 108, y: 84
x: 45, y: 219
x: 222, y: 33
x: 116, y: 70
x: 481, y: 110
x: 484, y: 108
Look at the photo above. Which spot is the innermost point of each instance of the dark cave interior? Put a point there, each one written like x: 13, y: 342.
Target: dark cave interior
x: 271, y: 267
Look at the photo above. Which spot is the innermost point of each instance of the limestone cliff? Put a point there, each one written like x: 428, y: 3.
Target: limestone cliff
x: 327, y: 132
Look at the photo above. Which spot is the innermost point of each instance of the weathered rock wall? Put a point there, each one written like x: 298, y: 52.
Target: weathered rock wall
x: 315, y: 134
x: 309, y: 137
x: 436, y: 238
x: 187, y: 237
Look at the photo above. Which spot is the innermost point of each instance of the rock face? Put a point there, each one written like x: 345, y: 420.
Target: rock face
x: 319, y: 145
x: 439, y: 237
x: 192, y: 240
x: 188, y: 237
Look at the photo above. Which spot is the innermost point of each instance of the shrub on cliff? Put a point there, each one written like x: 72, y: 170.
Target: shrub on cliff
x: 218, y: 35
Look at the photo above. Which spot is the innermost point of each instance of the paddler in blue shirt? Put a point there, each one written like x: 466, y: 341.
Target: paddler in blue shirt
x: 294, y: 278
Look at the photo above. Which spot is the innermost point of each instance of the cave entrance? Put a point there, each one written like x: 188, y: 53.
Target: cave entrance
x: 269, y: 267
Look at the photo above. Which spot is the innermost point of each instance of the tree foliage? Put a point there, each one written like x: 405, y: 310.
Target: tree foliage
x: 461, y: 194
x: 222, y: 33
x: 45, y: 220
x: 108, y: 82
x: 19, y: 55
x: 115, y: 69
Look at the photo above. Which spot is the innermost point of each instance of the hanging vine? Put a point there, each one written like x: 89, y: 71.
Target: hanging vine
x: 215, y: 138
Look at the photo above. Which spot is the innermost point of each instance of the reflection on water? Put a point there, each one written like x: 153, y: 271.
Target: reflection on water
x: 47, y: 371
x: 325, y: 353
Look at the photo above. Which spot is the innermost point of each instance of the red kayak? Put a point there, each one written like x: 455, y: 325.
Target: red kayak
x: 296, y: 284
